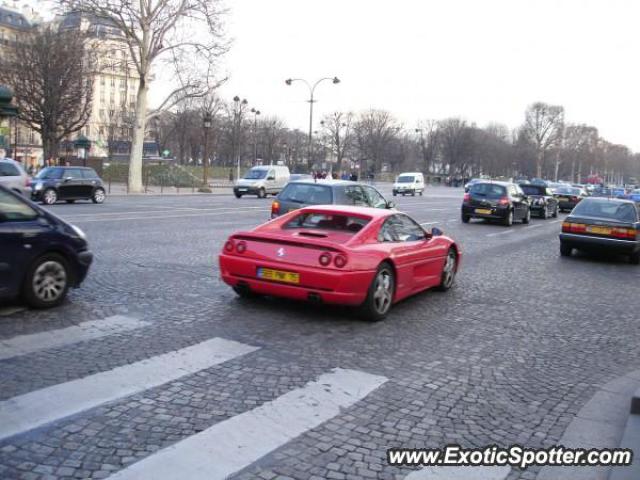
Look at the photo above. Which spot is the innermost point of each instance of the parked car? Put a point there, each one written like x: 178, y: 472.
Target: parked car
x: 42, y: 256
x: 327, y: 192
x: 409, y: 183
x: 502, y: 201
x: 541, y: 199
x: 635, y: 195
x: 569, y: 197
x: 262, y: 181
x: 603, y: 224
x: 13, y: 176
x: 69, y: 184
x: 363, y: 257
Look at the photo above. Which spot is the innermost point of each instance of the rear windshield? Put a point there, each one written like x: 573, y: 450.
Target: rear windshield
x: 488, y: 190
x: 307, y: 193
x: 624, y: 212
x: 8, y: 170
x: 406, y: 179
x: 328, y: 221
x: 50, y: 173
x: 533, y: 190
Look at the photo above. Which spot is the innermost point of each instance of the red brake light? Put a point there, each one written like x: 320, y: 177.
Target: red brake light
x: 340, y: 260
x: 229, y: 246
x: 325, y: 259
x: 275, y: 208
x: 241, y: 246
x: 467, y: 197
x: 503, y: 201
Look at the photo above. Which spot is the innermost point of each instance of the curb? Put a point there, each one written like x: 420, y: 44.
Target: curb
x: 630, y: 440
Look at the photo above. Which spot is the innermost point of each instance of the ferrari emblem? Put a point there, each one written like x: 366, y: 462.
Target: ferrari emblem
x: 281, y: 252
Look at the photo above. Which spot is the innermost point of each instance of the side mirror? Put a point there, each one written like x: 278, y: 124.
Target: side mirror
x: 391, y: 204
x: 436, y: 232
x: 68, y: 179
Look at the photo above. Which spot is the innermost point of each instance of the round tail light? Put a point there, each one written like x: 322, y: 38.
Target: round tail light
x: 325, y: 259
x: 228, y: 246
x: 340, y: 260
x: 241, y: 247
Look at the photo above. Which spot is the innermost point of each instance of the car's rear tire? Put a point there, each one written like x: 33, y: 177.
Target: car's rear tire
x: 509, y: 220
x: 527, y: 217
x: 448, y: 271
x: 420, y: 192
x: 545, y: 213
x: 49, y: 196
x: 47, y: 281
x: 413, y: 194
x: 238, y: 195
x: 380, y: 294
x: 634, y: 258
x: 565, y: 250
x: 465, y: 218
x: 98, y: 195
x: 262, y: 193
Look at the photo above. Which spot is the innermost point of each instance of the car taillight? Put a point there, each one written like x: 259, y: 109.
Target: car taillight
x: 624, y: 233
x: 340, y: 260
x: 229, y: 246
x: 503, y: 201
x: 275, y: 209
x: 324, y: 259
x: 241, y: 246
x: 574, y: 199
x: 568, y: 227
x: 467, y: 197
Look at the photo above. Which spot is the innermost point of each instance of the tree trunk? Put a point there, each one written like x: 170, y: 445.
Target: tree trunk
x: 539, y: 163
x: 137, y: 146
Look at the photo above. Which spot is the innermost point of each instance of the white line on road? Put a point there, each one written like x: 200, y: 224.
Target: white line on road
x: 25, y: 412
x: 460, y: 473
x: 429, y: 223
x: 511, y: 230
x: 236, y: 443
x: 24, y: 344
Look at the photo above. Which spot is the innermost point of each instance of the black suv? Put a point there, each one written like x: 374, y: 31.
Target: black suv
x: 502, y: 201
x: 543, y: 203
x: 67, y: 183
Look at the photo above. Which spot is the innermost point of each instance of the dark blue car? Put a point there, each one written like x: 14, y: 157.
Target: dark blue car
x: 41, y: 256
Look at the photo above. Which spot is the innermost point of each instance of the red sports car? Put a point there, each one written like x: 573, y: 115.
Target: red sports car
x: 365, y: 257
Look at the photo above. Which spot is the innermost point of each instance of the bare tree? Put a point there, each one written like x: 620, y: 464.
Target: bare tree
x: 273, y: 129
x: 428, y: 137
x: 544, y: 126
x: 373, y: 131
x: 580, y: 144
x: 183, y: 33
x: 457, y: 145
x: 338, y: 128
x: 50, y: 72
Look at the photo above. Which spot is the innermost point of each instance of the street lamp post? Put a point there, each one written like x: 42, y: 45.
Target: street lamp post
x: 255, y: 135
x: 238, y: 104
x: 312, y: 88
x: 206, y: 124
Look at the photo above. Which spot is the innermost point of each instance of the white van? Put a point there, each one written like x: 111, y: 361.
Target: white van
x: 262, y: 180
x: 412, y: 182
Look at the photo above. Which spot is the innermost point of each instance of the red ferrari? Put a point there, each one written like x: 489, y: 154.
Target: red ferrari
x: 365, y: 257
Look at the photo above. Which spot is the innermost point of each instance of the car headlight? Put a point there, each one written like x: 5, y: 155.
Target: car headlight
x: 79, y: 232
x: 38, y: 186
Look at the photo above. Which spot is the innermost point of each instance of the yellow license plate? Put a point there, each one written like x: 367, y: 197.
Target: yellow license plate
x: 278, y: 275
x: 563, y: 199
x: 599, y: 230
x: 483, y: 211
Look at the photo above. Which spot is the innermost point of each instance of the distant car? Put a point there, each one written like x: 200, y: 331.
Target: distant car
x: 363, y: 257
x: 69, y: 184
x: 13, y: 176
x: 542, y: 201
x: 569, y: 197
x: 603, y: 224
x: 501, y: 201
x: 635, y: 195
x: 262, y: 180
x: 327, y: 192
x: 42, y: 256
x: 412, y: 183
x: 294, y: 177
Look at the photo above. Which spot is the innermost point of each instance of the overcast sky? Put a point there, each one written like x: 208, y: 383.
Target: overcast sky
x: 483, y: 60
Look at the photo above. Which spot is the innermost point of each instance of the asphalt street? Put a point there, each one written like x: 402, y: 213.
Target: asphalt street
x: 155, y: 351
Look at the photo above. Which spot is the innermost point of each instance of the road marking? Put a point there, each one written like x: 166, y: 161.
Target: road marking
x: 459, y: 473
x: 500, y: 233
x: 231, y: 445
x: 429, y: 223
x: 25, y: 412
x: 535, y: 226
x: 24, y: 344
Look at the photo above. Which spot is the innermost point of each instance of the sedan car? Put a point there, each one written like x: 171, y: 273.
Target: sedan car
x: 363, y: 257
x: 490, y: 200
x: 327, y: 192
x: 569, y: 197
x: 603, y: 225
x: 69, y: 184
x: 41, y: 255
x: 542, y: 201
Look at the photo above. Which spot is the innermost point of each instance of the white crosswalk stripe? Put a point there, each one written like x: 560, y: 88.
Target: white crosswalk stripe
x: 34, y: 409
x: 460, y: 473
x: 25, y: 344
x: 236, y: 443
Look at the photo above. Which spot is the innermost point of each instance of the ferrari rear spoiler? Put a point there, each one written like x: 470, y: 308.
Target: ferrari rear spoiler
x: 315, y: 244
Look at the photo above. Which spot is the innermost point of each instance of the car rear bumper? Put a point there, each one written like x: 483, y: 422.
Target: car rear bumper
x: 567, y: 205
x: 325, y: 285
x: 586, y: 242
x: 498, y: 213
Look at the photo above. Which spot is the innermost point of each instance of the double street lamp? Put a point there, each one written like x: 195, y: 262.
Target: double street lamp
x: 207, y: 120
x: 255, y: 135
x: 312, y: 88
x: 238, y: 105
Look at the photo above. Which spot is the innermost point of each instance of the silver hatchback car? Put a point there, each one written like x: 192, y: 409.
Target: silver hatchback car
x: 13, y: 176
